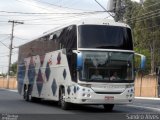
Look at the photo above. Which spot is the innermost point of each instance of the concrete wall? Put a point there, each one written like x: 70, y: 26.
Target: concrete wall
x: 12, y: 82
x: 145, y: 86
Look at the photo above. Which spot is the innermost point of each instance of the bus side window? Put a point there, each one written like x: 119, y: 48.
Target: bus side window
x: 72, y: 61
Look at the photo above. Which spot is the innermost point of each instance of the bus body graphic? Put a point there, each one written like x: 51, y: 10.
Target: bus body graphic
x: 77, y: 63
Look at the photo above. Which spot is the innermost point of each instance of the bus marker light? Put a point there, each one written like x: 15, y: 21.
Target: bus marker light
x: 88, y: 95
x: 83, y: 94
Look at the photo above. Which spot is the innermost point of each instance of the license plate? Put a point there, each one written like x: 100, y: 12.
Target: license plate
x: 109, y: 98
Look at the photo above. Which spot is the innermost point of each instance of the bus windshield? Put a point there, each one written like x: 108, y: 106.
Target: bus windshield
x: 104, y: 36
x: 108, y: 66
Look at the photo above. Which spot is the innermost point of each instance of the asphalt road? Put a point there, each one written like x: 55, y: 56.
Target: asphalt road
x: 11, y: 103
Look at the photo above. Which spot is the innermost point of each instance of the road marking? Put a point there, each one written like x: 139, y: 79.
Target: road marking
x: 150, y: 108
x: 13, y: 90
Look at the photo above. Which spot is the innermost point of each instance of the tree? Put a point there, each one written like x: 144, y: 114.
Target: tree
x: 13, y: 70
x: 146, y: 30
x: 145, y: 21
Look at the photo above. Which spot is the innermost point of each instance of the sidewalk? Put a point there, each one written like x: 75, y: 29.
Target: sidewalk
x: 12, y: 90
x: 147, y: 98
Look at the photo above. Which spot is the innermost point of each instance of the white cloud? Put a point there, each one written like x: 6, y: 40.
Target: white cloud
x: 136, y: 0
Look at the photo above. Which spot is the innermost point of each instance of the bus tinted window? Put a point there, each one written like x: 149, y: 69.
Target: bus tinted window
x: 100, y: 36
x: 107, y: 66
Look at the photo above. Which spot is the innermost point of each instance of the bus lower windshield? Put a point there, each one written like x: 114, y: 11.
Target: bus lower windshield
x: 107, y: 66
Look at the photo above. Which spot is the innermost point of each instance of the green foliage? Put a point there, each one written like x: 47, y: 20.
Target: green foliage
x: 145, y: 23
x: 3, y: 75
x: 13, y: 70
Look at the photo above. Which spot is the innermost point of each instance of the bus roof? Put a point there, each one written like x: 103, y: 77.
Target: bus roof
x: 91, y: 21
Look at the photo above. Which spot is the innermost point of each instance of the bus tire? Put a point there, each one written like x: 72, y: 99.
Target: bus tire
x: 64, y: 105
x: 35, y: 99
x: 27, y: 93
x: 108, y: 107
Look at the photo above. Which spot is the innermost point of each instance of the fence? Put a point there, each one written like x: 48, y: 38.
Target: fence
x: 146, y: 86
x: 12, y: 82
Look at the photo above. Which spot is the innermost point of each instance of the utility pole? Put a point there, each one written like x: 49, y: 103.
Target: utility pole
x: 115, y: 6
x: 10, y: 49
x: 118, y: 10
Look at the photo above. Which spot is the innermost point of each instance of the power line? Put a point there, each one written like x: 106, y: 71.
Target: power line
x: 40, y: 24
x: 32, y: 5
x: 28, y: 14
x: 3, y: 43
x: 6, y: 53
x: 3, y: 21
x: 58, y: 18
x: 4, y: 34
x: 59, y: 1
x: 73, y: 3
x: 103, y: 8
x: 143, y: 15
x: 51, y: 12
x: 59, y: 6
x: 21, y: 38
x: 55, y: 18
x: 21, y: 15
x: 4, y: 56
x: 148, y: 27
x: 3, y: 66
x: 4, y: 38
x: 146, y: 18
x: 151, y: 5
x: 3, y: 53
x: 154, y: 11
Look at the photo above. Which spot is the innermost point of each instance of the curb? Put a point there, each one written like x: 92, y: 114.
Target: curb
x: 147, y: 98
x: 9, y: 90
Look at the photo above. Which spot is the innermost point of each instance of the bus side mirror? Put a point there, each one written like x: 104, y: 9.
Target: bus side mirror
x: 158, y: 70
x: 142, y: 61
x: 79, y: 61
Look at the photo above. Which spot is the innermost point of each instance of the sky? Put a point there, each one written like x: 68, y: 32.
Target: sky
x: 52, y: 13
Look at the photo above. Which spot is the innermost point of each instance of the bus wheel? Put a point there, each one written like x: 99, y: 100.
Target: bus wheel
x: 108, y: 107
x: 25, y: 96
x: 35, y: 99
x: 64, y: 105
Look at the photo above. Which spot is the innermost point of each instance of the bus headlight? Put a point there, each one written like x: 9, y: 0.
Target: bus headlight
x: 83, y: 94
x: 85, y: 85
x: 129, y: 86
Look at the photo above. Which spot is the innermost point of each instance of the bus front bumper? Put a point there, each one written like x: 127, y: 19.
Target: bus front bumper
x: 94, y: 98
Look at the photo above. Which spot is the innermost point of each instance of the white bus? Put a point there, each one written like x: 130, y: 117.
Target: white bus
x: 60, y: 65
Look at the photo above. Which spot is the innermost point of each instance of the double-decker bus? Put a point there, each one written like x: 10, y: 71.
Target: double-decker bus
x: 88, y: 62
